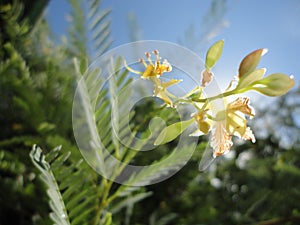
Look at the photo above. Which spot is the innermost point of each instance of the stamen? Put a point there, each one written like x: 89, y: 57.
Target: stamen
x: 156, y: 52
x: 130, y: 69
x: 143, y: 61
x: 148, y: 56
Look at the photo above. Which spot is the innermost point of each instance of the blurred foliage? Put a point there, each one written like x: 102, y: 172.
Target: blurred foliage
x: 257, y: 184
x: 209, y: 26
x: 36, y: 83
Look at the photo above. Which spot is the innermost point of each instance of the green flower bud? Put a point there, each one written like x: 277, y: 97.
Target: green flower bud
x: 213, y: 54
x: 250, y: 78
x: 274, y: 85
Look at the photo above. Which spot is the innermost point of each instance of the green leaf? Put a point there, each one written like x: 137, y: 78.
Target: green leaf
x: 90, y: 28
x: 46, y: 127
x: 99, y: 27
x: 173, y: 131
x: 59, y: 213
x: 274, y: 85
x: 164, y: 220
x: 108, y: 219
x: 250, y: 62
x: 159, y: 169
x: 70, y: 186
x: 250, y: 78
x: 213, y: 54
x: 130, y: 200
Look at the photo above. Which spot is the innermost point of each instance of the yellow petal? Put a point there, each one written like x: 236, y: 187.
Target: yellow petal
x: 149, y: 72
x: 162, y: 95
x: 164, y: 67
x: 204, y: 127
x: 196, y: 133
x: 236, y: 123
x: 170, y: 83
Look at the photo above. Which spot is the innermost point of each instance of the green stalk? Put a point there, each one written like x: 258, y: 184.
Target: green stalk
x: 222, y: 95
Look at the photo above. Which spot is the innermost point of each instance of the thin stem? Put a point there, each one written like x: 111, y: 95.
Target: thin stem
x: 222, y: 95
x: 106, y: 199
x: 278, y: 221
x: 211, y: 117
x: 205, y: 104
x: 181, y: 100
x: 100, y: 208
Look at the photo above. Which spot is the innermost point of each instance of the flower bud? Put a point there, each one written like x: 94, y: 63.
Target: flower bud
x: 274, y: 85
x: 213, y: 54
x: 250, y: 62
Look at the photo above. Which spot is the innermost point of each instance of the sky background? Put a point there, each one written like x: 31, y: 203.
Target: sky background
x: 244, y: 25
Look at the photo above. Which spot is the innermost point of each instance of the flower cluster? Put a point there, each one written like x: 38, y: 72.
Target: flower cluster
x: 152, y: 72
x: 225, y: 123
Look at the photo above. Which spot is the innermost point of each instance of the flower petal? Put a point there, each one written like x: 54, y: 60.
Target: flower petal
x: 149, y: 72
x: 204, y: 127
x: 242, y: 104
x: 248, y: 135
x: 170, y: 83
x: 236, y: 123
x: 162, y: 95
x: 220, y: 139
x: 196, y: 133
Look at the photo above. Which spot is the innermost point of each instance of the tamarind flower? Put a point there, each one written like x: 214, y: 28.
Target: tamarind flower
x: 153, y: 72
x: 229, y: 122
x: 153, y: 69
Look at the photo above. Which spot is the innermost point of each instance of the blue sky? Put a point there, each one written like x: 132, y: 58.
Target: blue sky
x: 244, y: 25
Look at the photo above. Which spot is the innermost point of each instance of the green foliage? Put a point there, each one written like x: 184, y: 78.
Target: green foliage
x: 92, y: 22
x: 77, y: 32
x: 72, y: 187
x: 173, y: 131
x: 22, y: 195
x: 258, y: 185
x: 207, y: 27
x: 12, y: 30
x: 59, y: 214
x: 33, y: 10
x: 75, y: 200
x: 262, y: 190
x: 99, y: 25
x: 36, y: 84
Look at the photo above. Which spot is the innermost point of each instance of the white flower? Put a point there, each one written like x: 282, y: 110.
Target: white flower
x: 231, y: 121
